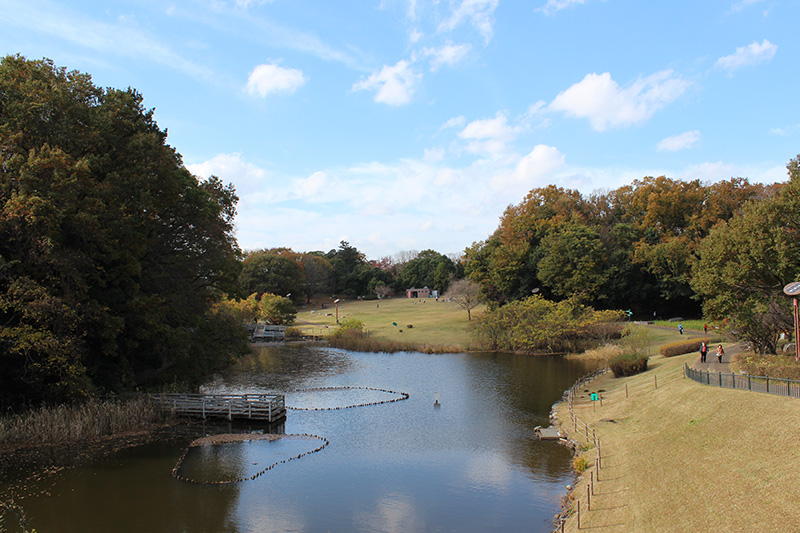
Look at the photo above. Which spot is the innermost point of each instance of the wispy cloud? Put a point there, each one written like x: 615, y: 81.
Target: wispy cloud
x: 552, y: 6
x: 448, y: 54
x: 746, y: 56
x: 479, y: 13
x: 271, y: 78
x: 605, y: 104
x: 685, y: 140
x: 123, y: 38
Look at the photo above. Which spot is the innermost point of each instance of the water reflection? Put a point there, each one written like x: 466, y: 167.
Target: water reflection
x: 471, y: 464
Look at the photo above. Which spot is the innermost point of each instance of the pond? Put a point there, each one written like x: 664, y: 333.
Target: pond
x: 354, y: 454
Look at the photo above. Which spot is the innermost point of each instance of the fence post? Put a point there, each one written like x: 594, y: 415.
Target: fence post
x: 787, y: 387
x: 579, y: 514
x: 588, y: 498
x: 655, y: 380
x: 591, y: 480
x: 733, y: 380
x: 720, y: 378
x: 749, y: 384
x: 767, y: 383
x: 626, y: 390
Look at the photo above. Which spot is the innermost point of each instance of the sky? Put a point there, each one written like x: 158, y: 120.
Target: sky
x: 402, y: 125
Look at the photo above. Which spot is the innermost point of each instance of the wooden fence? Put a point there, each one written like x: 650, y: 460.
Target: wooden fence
x: 268, y: 407
x: 779, y: 386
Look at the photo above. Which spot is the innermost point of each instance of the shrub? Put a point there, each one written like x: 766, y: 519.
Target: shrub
x: 683, y: 347
x: 294, y: 333
x: 774, y: 366
x: 580, y: 464
x: 628, y: 364
x: 349, y: 326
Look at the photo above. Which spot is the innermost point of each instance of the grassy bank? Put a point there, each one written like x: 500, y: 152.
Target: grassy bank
x: 86, y: 422
x: 432, y: 323
x: 681, y: 456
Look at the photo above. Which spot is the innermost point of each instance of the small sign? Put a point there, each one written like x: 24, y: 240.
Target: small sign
x: 594, y: 397
x: 792, y: 289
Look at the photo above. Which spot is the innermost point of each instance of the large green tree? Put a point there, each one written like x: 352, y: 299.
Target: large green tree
x: 111, y: 252
x: 745, y: 263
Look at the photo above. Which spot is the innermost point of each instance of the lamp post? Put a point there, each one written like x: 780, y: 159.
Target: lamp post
x: 793, y: 289
x: 336, y: 301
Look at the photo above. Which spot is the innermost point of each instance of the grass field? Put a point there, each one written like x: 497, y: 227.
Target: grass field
x: 686, y: 456
x: 434, y: 323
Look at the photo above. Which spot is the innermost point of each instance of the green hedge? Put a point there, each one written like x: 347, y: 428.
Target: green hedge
x: 683, y: 347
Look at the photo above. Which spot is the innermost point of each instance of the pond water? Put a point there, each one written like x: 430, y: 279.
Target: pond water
x: 386, y: 464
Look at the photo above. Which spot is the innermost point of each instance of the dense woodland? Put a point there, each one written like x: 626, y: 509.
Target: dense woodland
x: 119, y: 269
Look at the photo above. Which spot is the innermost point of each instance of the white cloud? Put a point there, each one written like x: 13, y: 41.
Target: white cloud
x: 490, y: 128
x: 536, y: 168
x: 455, y: 122
x: 745, y: 56
x: 605, y: 104
x: 312, y: 185
x: 557, y: 5
x: 394, y: 85
x: 489, y: 135
x: 683, y: 141
x: 271, y: 78
x: 449, y: 55
x: 231, y: 168
x: 480, y: 14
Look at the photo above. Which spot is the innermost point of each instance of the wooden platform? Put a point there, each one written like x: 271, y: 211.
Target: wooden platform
x: 267, y: 407
x: 549, y: 433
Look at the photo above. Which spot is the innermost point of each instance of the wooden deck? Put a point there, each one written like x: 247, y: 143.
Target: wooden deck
x: 548, y: 433
x: 267, y: 407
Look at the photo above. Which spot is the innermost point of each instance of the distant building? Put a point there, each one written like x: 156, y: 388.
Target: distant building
x: 424, y: 292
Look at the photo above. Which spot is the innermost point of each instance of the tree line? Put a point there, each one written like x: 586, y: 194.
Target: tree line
x: 118, y: 267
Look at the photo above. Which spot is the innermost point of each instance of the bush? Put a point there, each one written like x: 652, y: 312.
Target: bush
x: 580, y: 464
x: 349, y: 326
x: 774, y: 366
x: 683, y: 347
x: 628, y: 364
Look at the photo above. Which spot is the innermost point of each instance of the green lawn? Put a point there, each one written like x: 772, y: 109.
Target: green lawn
x: 435, y: 323
x: 682, y: 456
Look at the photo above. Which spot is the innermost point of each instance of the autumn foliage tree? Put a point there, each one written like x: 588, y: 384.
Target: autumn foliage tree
x: 111, y: 251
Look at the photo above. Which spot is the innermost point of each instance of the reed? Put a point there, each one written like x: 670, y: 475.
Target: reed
x: 359, y: 341
x: 87, y: 421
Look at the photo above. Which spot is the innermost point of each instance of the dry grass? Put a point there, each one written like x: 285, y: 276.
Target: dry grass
x: 77, y: 423
x: 433, y: 323
x: 688, y: 457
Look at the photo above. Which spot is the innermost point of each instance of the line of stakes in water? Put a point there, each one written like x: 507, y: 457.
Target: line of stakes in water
x: 177, y: 475
x: 401, y: 396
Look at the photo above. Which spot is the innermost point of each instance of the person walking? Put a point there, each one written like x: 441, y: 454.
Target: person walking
x: 703, y: 352
x: 680, y: 329
x: 705, y: 329
x: 720, y: 353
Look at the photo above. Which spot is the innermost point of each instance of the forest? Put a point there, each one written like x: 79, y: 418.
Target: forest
x: 120, y: 270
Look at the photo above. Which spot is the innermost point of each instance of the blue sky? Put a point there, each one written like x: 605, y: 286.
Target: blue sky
x: 403, y: 125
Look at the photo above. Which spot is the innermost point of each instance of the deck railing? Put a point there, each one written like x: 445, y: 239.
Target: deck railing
x: 269, y: 407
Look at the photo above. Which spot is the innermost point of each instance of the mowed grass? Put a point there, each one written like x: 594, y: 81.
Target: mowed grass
x: 686, y: 456
x: 433, y: 323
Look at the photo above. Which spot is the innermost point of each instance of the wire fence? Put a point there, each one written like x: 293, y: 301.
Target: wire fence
x: 576, y: 398
x: 583, y: 502
x: 778, y: 386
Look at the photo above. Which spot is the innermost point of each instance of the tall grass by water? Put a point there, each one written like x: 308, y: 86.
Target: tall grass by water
x: 359, y: 341
x: 83, y: 422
